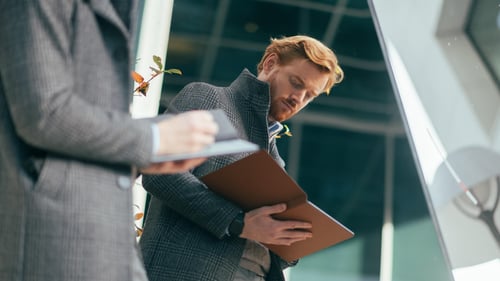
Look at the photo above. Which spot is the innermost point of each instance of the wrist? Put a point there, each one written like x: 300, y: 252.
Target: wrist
x: 236, y: 227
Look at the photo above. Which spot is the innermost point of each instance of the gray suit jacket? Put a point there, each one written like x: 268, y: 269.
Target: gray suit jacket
x: 67, y: 141
x: 185, y: 232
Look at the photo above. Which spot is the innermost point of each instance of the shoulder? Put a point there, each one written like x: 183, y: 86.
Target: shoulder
x: 195, y: 87
x: 199, y: 95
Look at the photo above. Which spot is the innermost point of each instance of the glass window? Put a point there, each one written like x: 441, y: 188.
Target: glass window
x: 484, y: 30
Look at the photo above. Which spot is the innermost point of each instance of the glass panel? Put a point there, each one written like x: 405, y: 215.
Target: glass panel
x: 258, y: 20
x: 417, y: 255
x: 230, y: 62
x: 351, y: 190
x: 451, y: 107
x: 194, y: 16
x: 355, y: 46
x: 484, y: 31
x: 365, y: 85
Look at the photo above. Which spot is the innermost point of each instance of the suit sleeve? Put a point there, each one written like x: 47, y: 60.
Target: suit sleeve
x: 185, y: 193
x: 39, y: 81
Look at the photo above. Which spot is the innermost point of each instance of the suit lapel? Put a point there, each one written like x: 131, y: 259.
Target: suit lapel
x: 105, y: 10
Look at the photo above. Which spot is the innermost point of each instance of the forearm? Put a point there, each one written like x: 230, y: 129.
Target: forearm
x: 189, y: 197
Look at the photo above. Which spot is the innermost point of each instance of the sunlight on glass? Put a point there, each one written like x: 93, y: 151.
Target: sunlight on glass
x: 427, y: 145
x: 488, y: 271
x: 498, y: 19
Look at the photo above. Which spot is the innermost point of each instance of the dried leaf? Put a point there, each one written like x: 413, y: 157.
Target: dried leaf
x: 137, y: 77
x: 157, y: 60
x: 138, y: 216
x: 143, y: 88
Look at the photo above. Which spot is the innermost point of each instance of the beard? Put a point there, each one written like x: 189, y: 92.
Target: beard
x: 279, y: 110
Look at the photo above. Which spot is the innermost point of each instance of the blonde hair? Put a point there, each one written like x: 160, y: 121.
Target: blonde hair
x: 300, y: 46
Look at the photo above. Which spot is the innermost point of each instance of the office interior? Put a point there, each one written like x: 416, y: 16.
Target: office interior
x: 398, y: 151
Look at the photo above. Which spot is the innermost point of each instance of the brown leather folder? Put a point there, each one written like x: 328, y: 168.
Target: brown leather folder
x: 256, y: 181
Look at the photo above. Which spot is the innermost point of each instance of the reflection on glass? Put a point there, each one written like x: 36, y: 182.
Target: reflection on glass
x: 482, y: 209
x: 498, y: 20
x: 446, y: 86
x: 483, y: 30
x: 467, y: 207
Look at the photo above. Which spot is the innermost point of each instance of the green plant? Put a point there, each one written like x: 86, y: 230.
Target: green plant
x: 142, y: 89
x: 143, y: 86
x: 287, y: 132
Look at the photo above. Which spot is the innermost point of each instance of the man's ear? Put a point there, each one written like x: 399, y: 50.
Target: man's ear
x: 271, y: 62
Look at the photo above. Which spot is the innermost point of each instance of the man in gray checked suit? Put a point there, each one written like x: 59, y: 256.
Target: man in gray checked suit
x: 191, y: 233
x: 68, y: 144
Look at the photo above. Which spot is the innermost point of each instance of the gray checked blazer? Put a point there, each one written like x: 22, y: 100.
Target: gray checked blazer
x: 185, y: 237
x: 67, y: 141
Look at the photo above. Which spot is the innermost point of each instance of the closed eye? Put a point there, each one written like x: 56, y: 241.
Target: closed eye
x: 296, y: 84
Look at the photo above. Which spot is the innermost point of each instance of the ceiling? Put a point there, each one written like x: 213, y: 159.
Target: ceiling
x: 213, y: 40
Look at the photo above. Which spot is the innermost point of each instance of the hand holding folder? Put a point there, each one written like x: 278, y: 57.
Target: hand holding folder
x: 256, y: 181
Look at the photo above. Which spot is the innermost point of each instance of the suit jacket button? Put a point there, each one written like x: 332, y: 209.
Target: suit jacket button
x: 124, y: 182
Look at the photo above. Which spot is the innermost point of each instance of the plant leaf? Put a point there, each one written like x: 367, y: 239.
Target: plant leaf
x: 138, y: 216
x: 137, y: 77
x: 157, y: 60
x: 286, y: 133
x: 173, y: 71
x: 142, y: 88
x: 155, y: 70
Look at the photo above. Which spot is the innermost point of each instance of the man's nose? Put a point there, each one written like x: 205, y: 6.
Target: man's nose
x: 299, y: 97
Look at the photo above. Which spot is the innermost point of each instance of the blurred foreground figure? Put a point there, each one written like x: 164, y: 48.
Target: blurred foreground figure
x: 69, y: 150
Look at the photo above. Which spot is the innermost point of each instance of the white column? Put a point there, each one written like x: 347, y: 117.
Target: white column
x: 387, y: 251
x: 153, y: 40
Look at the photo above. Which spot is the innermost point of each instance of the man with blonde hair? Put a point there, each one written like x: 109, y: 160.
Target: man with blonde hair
x: 191, y: 233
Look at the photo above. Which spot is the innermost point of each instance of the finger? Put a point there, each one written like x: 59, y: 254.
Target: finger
x: 288, y: 240
x: 201, y: 121
x: 296, y: 234
x: 296, y: 225
x: 191, y: 163
x: 158, y: 168
x: 184, y: 165
x: 179, y: 138
x: 198, y: 141
x: 173, y: 167
x: 204, y: 126
x: 270, y: 210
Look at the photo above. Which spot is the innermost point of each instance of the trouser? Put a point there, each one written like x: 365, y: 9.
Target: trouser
x: 243, y: 274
